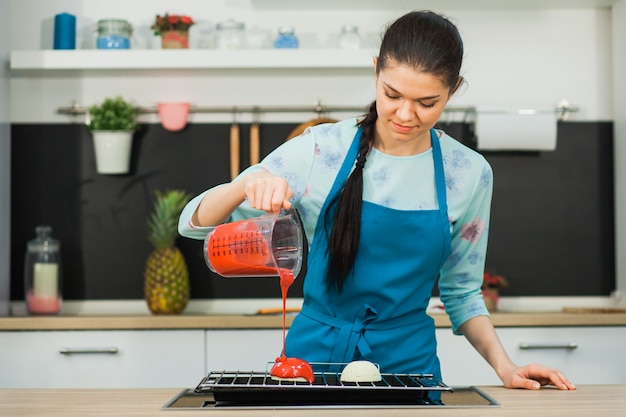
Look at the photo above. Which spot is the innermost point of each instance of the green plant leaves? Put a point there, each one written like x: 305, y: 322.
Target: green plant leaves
x: 113, y: 114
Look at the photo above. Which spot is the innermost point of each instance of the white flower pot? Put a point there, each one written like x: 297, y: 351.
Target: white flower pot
x: 113, y: 150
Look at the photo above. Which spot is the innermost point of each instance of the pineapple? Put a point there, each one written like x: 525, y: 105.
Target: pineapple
x: 166, y: 278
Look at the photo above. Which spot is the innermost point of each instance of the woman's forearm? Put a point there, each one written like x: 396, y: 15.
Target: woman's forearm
x: 263, y: 190
x: 218, y: 204
x: 480, y: 332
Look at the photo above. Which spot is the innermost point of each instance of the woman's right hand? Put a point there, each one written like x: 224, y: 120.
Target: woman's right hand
x: 268, y: 192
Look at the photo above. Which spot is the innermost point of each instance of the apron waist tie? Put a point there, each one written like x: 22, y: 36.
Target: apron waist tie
x: 351, y: 333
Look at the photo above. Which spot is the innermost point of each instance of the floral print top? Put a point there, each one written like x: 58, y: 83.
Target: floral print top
x: 311, y: 162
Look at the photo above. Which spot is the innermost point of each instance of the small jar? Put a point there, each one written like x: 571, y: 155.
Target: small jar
x: 42, y: 273
x: 349, y: 38
x: 286, y: 38
x: 113, y: 34
x: 230, y: 34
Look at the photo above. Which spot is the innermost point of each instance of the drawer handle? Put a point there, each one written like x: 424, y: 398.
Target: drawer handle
x: 111, y: 350
x: 531, y: 346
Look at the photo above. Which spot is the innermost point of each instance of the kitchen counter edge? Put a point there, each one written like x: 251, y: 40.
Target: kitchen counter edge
x: 216, y: 321
x: 587, y: 400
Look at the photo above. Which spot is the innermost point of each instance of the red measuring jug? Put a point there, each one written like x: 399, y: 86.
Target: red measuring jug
x: 257, y: 247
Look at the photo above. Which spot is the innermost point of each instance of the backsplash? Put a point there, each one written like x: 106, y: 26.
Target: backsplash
x: 551, y: 232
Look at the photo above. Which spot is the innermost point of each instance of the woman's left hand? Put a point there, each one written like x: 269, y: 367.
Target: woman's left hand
x: 535, y: 376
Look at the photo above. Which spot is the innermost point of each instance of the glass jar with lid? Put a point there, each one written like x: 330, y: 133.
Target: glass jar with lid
x: 113, y: 34
x: 286, y: 38
x: 230, y: 34
x: 349, y: 38
x: 42, y: 273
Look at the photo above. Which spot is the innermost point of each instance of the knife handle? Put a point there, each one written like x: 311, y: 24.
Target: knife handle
x: 234, y: 150
x: 255, y: 144
x: 276, y: 310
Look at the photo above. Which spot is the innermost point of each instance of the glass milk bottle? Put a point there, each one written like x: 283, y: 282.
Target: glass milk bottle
x: 42, y: 273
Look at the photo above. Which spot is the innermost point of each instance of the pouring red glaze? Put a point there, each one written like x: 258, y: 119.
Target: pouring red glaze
x: 289, y: 368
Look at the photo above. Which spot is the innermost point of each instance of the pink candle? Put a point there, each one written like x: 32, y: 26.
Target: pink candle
x: 44, y: 297
x: 38, y: 304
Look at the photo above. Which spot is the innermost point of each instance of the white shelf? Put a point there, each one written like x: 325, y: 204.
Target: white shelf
x: 142, y: 59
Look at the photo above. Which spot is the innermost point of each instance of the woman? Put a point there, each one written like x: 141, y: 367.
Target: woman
x: 389, y: 204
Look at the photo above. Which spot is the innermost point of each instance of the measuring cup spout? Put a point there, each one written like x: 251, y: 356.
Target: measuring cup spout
x: 258, y: 247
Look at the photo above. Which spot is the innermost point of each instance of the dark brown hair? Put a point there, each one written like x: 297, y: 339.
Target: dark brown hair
x: 427, y: 42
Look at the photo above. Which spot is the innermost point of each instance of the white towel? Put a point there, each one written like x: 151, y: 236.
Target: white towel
x: 516, y: 130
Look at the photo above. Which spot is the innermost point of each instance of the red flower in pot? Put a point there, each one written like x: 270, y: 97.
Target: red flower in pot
x: 169, y: 22
x: 492, y: 283
x: 173, y: 29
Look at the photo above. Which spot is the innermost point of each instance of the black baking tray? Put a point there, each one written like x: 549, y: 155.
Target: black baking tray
x: 258, y: 388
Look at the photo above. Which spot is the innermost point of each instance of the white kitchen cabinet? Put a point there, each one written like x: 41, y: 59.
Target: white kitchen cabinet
x: 180, y: 358
x: 101, y: 359
x: 586, y: 355
x: 461, y: 365
x: 596, y: 359
x: 242, y: 350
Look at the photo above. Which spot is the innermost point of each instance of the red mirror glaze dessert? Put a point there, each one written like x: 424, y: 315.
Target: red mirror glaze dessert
x: 292, y: 369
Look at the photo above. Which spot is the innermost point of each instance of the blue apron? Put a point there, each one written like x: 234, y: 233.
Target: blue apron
x: 380, y: 315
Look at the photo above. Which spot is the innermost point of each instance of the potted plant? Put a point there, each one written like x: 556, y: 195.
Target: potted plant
x: 173, y: 29
x: 112, y: 124
x: 492, y: 283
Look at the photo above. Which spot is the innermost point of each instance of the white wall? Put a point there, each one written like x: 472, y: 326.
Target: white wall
x: 5, y: 161
x: 515, y: 58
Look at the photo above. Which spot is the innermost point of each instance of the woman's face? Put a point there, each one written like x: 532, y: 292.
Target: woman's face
x: 409, y: 103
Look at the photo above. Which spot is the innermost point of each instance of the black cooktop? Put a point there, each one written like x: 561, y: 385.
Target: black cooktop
x: 254, y: 390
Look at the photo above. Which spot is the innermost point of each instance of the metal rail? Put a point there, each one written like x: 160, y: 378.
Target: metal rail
x: 561, y: 110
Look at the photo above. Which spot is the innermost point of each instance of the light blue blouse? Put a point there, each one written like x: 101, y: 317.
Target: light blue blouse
x: 311, y: 161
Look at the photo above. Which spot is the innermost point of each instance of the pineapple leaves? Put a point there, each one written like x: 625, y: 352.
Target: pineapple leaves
x: 163, y: 221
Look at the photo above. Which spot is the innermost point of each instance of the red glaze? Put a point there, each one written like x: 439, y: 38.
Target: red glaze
x: 292, y: 368
x: 286, y: 279
x: 289, y: 368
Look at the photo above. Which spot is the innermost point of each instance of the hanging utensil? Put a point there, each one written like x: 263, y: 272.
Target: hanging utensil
x: 255, y: 140
x: 303, y: 126
x: 234, y: 147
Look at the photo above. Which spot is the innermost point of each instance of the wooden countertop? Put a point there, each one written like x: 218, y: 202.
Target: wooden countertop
x: 586, y: 401
x: 146, y: 321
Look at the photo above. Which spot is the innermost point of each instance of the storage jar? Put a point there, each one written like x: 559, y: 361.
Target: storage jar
x: 349, y: 38
x: 286, y: 38
x: 230, y: 34
x: 42, y: 273
x: 113, y: 34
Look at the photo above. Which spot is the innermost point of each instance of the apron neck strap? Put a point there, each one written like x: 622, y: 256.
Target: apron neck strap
x: 440, y: 178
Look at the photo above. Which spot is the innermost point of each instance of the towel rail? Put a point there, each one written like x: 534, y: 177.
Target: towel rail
x: 561, y: 110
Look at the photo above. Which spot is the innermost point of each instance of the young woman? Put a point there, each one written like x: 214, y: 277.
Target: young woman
x: 389, y: 205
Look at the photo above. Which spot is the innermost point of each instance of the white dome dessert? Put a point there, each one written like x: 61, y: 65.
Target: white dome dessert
x: 360, y: 371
